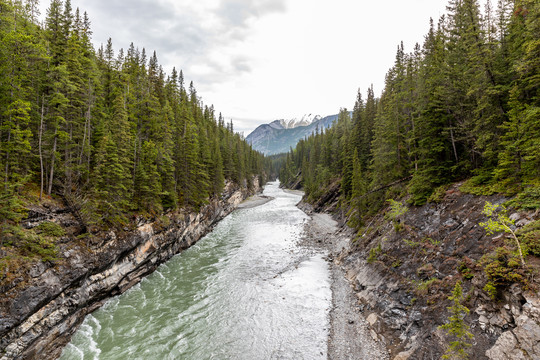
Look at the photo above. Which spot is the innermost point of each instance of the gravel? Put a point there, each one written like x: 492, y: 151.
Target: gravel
x: 350, y: 336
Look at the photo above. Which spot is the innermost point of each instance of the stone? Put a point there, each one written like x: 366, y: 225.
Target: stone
x: 501, y: 320
x: 405, y: 355
x: 527, y: 333
x: 372, y: 319
x: 483, y: 321
x: 480, y: 310
x: 505, y: 345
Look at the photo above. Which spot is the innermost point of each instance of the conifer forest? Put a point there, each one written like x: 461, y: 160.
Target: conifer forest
x: 407, y: 226
x: 107, y: 128
x: 465, y: 104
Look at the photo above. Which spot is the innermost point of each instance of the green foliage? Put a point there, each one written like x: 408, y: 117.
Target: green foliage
x: 423, y: 287
x: 374, y: 254
x: 432, y: 241
x: 463, y: 105
x: 30, y: 244
x: 48, y: 228
x: 498, y: 221
x: 465, y: 271
x: 43, y: 247
x: 503, y: 267
x: 456, y: 327
x: 397, y: 209
x: 438, y: 194
x: 411, y: 243
x: 530, y: 237
x: 115, y: 130
x: 477, y: 186
x: 491, y: 289
x: 528, y: 199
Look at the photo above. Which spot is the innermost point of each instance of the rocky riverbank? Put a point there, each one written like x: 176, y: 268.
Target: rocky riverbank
x: 350, y: 337
x: 403, y: 274
x: 43, y: 308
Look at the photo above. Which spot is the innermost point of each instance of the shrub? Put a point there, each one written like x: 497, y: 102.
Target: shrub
x: 465, y: 271
x: 438, y: 194
x: 48, y: 228
x: 528, y: 199
x: 422, y: 288
x: 491, y: 289
x: 397, y: 209
x: 499, y: 221
x: 530, y: 237
x: 502, y: 267
x: 374, y: 254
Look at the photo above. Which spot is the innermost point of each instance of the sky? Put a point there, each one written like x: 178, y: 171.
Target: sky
x: 261, y: 60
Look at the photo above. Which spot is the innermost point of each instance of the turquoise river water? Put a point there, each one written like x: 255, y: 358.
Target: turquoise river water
x: 247, y: 290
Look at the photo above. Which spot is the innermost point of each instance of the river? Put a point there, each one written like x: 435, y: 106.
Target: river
x: 248, y: 290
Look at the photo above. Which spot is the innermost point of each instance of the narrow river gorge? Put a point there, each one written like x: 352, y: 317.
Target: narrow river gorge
x: 248, y: 290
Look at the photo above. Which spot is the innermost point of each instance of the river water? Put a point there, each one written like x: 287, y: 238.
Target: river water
x: 247, y: 290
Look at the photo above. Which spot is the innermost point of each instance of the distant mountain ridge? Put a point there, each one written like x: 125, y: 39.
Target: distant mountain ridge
x: 305, y: 120
x: 281, y: 135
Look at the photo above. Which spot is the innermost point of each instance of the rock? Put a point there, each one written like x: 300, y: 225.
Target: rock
x: 37, y: 269
x: 527, y: 333
x: 483, y: 321
x: 505, y: 348
x: 502, y: 319
x: 372, y: 319
x: 532, y: 307
x: 481, y: 310
x: 405, y: 355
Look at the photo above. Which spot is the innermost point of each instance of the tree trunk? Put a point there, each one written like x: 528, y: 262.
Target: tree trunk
x: 453, y: 140
x: 39, y: 146
x: 52, y: 166
x: 7, y: 159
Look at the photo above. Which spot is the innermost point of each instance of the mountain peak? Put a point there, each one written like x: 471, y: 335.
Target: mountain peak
x: 305, y: 120
x: 280, y: 135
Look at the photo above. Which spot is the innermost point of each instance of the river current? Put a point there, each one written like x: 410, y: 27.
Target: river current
x: 248, y: 290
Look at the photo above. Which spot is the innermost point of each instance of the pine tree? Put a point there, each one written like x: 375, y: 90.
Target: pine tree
x: 456, y: 327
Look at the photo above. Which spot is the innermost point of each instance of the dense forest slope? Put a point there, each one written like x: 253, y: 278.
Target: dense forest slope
x: 439, y: 178
x: 109, y: 167
x: 110, y: 136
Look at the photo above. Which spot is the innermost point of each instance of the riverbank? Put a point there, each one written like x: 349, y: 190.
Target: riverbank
x: 349, y: 337
x: 253, y: 201
x: 40, y: 312
x: 403, y: 275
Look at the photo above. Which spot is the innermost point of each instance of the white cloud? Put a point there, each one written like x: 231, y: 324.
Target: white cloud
x: 260, y: 60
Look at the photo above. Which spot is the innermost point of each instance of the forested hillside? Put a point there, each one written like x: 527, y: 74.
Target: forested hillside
x: 108, y: 130
x: 464, y: 105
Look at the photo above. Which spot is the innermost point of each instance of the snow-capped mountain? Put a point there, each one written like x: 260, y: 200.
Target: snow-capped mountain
x: 296, y: 122
x: 280, y: 135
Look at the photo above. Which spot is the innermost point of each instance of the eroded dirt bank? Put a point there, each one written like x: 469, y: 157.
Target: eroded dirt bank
x: 42, y: 309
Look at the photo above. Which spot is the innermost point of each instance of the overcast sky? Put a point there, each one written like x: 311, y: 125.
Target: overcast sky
x: 261, y: 60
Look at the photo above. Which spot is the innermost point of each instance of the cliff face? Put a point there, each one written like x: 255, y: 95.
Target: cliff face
x: 403, y: 272
x: 38, y: 317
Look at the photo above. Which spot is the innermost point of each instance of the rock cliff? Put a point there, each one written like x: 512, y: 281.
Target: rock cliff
x: 43, y: 308
x: 403, y: 272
